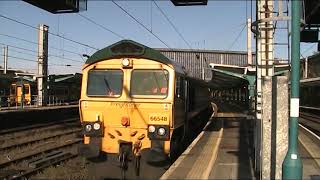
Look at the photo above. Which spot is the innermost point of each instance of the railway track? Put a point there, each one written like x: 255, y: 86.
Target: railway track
x: 32, y: 149
x: 310, y: 118
x: 37, y: 126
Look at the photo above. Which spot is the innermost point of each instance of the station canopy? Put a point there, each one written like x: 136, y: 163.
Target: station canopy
x: 60, y: 6
x: 228, y: 77
x: 312, y: 12
x: 311, y: 17
x: 189, y: 2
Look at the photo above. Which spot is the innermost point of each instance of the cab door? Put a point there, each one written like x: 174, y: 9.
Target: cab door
x: 180, y: 111
x: 18, y: 94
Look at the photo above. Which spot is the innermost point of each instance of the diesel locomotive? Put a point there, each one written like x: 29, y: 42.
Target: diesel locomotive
x: 136, y: 104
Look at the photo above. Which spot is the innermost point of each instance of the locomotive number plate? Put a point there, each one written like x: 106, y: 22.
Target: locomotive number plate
x: 158, y: 119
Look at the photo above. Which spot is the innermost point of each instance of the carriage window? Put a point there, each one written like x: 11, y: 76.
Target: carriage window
x: 149, y: 82
x: 105, y: 83
x: 13, y: 89
x: 26, y: 89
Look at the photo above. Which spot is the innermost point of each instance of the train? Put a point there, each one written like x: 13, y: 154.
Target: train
x: 61, y: 89
x: 21, y: 91
x: 138, y: 106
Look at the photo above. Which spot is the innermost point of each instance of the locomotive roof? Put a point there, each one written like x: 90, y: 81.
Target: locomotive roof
x: 129, y: 48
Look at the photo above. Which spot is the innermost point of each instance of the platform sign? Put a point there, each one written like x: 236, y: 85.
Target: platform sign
x: 60, y: 6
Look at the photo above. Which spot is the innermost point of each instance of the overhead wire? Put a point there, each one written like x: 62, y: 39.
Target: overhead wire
x: 30, y: 60
x: 32, y: 42
x: 22, y: 52
x: 21, y: 39
x: 25, y: 49
x: 36, y: 53
x: 64, y: 58
x: 103, y: 27
x: 141, y: 24
x: 170, y: 22
x: 237, y: 38
x: 20, y: 58
x: 57, y: 35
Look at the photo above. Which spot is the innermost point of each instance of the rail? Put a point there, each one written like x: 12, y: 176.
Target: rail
x: 26, y: 152
x: 38, y: 126
x: 310, y: 118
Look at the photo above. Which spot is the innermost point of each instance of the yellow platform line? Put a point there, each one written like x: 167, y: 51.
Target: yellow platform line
x: 213, y: 157
x: 176, y: 164
x: 203, y: 168
x: 206, y: 172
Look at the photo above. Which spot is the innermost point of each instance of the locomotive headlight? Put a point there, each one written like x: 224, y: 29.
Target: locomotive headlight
x: 161, y: 131
x: 88, y: 127
x: 96, y: 126
x: 125, y: 62
x: 151, y: 129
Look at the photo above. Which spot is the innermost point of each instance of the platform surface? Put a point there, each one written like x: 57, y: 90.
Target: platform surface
x: 219, y: 153
x: 233, y: 159
x: 224, y: 151
x: 309, y: 149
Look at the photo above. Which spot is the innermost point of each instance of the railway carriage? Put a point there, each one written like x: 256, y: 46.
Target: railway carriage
x: 138, y: 104
x: 21, y: 91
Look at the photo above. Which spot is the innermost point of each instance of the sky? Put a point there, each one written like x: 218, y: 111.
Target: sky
x: 218, y: 26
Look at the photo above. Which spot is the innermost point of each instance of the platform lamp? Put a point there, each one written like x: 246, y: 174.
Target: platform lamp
x: 292, y: 165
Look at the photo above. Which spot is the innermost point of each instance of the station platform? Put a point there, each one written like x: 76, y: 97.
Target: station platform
x: 309, y: 149
x: 221, y: 151
x: 224, y: 150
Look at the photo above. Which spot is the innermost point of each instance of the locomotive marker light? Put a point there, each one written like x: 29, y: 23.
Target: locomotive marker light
x: 96, y: 126
x: 158, y: 132
x: 88, y: 128
x: 152, y: 129
x: 93, y: 129
x: 161, y: 131
x: 125, y: 62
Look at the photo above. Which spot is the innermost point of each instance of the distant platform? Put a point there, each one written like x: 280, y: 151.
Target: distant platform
x: 34, y: 108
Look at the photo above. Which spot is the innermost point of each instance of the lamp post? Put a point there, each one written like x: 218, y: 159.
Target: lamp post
x: 292, y: 165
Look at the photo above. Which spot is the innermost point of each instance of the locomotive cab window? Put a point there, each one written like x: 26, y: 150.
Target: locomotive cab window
x: 105, y: 83
x: 149, y: 83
